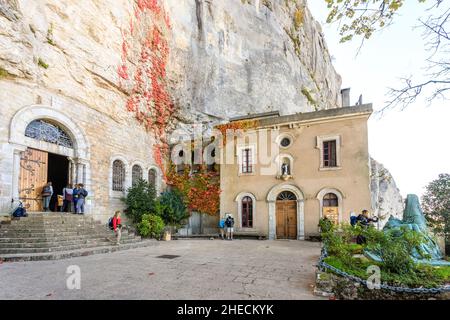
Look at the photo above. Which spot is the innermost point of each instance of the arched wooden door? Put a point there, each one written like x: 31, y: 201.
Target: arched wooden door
x: 286, y: 215
x: 32, y: 178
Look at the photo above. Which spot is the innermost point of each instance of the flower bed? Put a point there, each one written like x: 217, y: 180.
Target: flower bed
x: 345, y: 269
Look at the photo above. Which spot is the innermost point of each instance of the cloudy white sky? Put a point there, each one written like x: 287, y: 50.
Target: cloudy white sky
x: 413, y: 144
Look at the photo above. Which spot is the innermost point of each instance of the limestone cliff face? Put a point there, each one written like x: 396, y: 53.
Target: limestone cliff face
x: 227, y: 58
x: 237, y: 57
x: 386, y: 198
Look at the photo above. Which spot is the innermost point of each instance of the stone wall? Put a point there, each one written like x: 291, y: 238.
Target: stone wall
x: 106, y: 138
x: 336, y: 287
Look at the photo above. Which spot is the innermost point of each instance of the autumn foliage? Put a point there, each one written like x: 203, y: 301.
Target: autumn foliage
x: 143, y: 72
x: 201, y: 190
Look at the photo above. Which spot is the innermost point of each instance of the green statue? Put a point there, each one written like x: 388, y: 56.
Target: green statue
x: 414, y: 219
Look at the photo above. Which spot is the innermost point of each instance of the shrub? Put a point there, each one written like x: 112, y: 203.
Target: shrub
x: 423, y: 276
x: 394, y: 248
x: 172, y: 208
x: 325, y: 225
x: 140, y: 200
x: 42, y: 64
x: 336, y: 243
x: 151, y: 226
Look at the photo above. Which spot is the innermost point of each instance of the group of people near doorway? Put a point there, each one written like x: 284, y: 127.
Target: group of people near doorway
x: 226, y: 227
x: 73, y: 198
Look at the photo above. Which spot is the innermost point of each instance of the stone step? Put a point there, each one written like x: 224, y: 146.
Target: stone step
x: 58, y: 220
x: 80, y: 233
x: 93, y: 244
x: 29, y: 224
x: 49, y: 244
x: 50, y: 225
x: 15, y: 238
x: 16, y: 257
x: 44, y: 239
x: 53, y: 229
x: 51, y: 220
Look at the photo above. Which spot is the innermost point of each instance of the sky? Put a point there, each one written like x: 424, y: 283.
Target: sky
x: 412, y: 144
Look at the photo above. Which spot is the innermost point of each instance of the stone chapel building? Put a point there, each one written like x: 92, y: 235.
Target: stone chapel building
x: 45, y: 137
x: 316, y: 165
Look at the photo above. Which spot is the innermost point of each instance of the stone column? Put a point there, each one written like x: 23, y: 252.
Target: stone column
x: 301, y: 219
x: 272, y: 221
x: 80, y: 176
x: 16, y: 174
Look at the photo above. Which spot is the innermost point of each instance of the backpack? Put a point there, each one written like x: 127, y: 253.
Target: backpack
x: 20, y: 212
x: 110, y: 223
x: 83, y: 193
x: 46, y: 191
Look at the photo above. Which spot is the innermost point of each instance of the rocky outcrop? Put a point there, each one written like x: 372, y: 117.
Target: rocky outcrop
x: 227, y: 58
x: 386, y: 198
x: 247, y: 56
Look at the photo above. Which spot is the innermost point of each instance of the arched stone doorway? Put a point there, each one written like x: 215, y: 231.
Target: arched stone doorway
x: 286, y: 212
x: 286, y: 215
x: 47, y: 145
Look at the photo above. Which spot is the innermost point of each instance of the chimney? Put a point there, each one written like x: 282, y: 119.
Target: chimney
x: 345, y: 93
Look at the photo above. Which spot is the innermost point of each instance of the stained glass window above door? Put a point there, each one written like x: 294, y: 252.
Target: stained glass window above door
x: 286, y: 195
x: 48, y: 132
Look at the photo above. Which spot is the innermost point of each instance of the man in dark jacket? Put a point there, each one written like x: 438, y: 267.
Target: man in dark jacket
x: 82, y: 194
x: 229, y: 224
x: 364, y: 220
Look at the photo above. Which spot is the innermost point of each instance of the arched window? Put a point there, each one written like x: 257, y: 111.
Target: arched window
x: 247, y: 212
x: 136, y: 174
x: 45, y: 131
x: 118, y: 176
x: 286, y: 195
x: 152, y: 177
x: 331, y: 207
x: 330, y: 200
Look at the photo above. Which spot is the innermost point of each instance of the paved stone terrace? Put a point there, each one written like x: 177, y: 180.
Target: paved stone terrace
x: 206, y: 269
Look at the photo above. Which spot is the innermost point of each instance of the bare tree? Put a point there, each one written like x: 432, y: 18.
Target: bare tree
x: 362, y: 18
x: 437, y: 83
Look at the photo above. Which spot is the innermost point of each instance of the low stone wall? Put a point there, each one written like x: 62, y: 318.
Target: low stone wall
x: 337, y: 287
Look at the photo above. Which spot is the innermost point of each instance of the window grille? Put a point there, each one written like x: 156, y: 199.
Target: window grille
x: 45, y: 131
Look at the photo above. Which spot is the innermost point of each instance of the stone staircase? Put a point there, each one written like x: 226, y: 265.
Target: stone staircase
x: 51, y: 236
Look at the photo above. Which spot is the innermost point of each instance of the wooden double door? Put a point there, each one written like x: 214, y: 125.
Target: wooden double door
x: 33, y: 177
x: 37, y: 167
x: 286, y: 213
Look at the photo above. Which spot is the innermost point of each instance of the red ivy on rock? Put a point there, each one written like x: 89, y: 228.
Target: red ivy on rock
x: 142, y: 72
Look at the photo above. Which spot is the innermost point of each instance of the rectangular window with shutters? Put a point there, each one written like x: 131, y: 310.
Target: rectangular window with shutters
x: 329, y: 154
x: 247, y: 164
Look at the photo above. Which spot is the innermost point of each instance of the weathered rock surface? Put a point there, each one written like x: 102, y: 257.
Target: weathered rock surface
x: 386, y: 197
x: 227, y: 58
